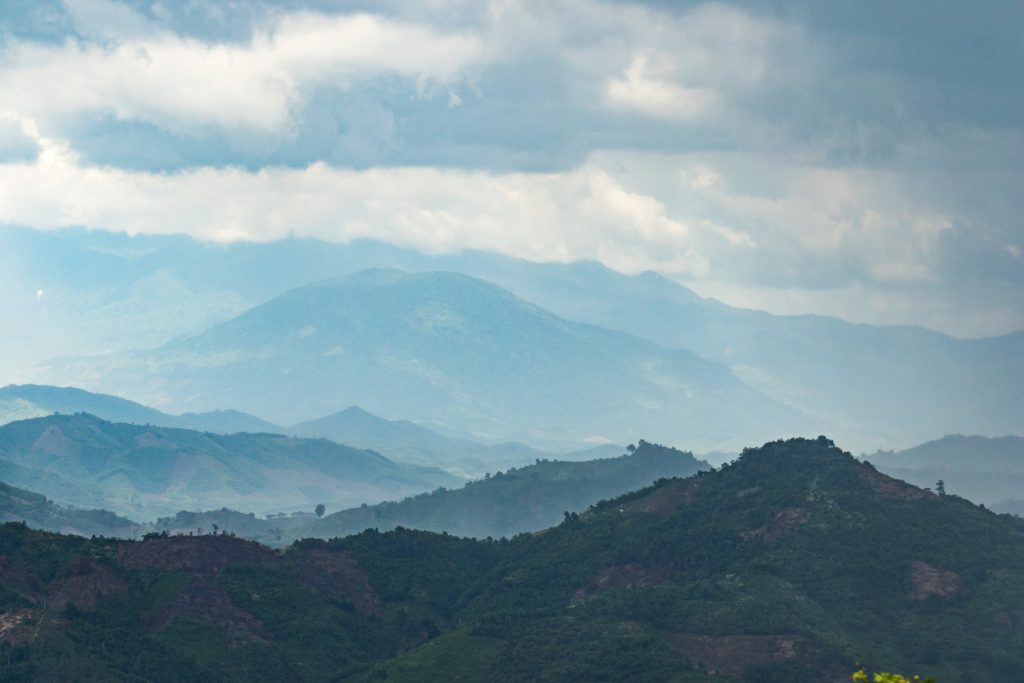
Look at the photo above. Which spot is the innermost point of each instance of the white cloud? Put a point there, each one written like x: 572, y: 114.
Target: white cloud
x: 813, y: 234
x: 854, y: 216
x: 702, y: 63
x: 181, y: 83
x: 585, y: 213
x: 834, y: 187
x: 640, y: 90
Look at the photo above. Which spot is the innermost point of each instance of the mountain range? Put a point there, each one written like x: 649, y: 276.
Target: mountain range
x: 514, y: 501
x: 144, y: 471
x: 517, y: 500
x: 984, y: 470
x: 874, y: 387
x: 399, y: 440
x: 794, y: 563
x: 448, y: 349
x: 19, y: 402
x: 38, y: 512
x: 409, y: 442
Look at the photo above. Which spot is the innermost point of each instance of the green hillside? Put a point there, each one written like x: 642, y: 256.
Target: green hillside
x: 789, y: 565
x: 146, y: 471
x: 19, y: 505
x: 984, y: 470
x: 516, y: 500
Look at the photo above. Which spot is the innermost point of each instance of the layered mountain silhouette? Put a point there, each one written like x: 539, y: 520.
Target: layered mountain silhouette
x: 452, y: 350
x: 38, y: 512
x: 144, y: 471
x: 792, y: 564
x: 513, y: 501
x: 984, y: 470
x: 875, y: 387
x: 18, y: 402
x: 408, y: 442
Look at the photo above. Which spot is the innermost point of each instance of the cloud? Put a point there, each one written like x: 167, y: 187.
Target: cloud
x: 813, y: 230
x: 182, y: 84
x: 796, y: 156
x: 585, y: 213
x: 640, y: 90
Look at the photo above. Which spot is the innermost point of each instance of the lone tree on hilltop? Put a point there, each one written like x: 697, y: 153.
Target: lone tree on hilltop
x: 319, y: 510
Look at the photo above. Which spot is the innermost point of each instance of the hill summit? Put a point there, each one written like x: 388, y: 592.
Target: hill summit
x: 790, y: 564
x: 456, y: 352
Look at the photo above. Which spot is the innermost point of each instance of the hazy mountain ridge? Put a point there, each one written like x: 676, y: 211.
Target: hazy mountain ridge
x: 984, y: 470
x: 408, y: 442
x: 768, y: 569
x: 877, y: 386
x: 455, y: 350
x: 872, y: 383
x: 957, y: 452
x: 145, y: 471
x: 513, y: 501
x: 398, y: 440
x: 18, y: 402
x: 19, y: 505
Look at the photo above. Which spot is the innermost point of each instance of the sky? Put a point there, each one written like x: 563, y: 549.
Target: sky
x: 864, y: 160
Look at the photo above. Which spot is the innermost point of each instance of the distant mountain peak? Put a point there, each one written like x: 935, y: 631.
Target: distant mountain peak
x: 356, y: 411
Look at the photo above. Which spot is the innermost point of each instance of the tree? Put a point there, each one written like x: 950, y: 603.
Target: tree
x: 940, y: 486
x: 320, y: 509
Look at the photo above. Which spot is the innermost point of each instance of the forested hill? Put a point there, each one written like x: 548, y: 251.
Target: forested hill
x: 144, y: 471
x: 985, y: 470
x: 789, y: 565
x: 516, y: 500
x: 19, y: 505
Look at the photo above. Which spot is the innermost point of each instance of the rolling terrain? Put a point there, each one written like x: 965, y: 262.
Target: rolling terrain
x: 19, y: 402
x: 791, y: 564
x: 145, y: 471
x: 452, y: 350
x: 514, y: 501
x: 983, y: 470
x: 510, y: 502
x: 35, y: 510
x: 399, y: 440
x: 872, y: 386
x: 408, y: 442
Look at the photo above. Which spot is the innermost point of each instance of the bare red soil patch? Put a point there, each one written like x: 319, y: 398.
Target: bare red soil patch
x: 733, y: 654
x: 203, y: 598
x: 928, y: 580
x: 85, y: 582
x: 666, y: 499
x: 620, y: 576
x: 337, y: 575
x: 210, y: 554
x: 887, y: 487
x: 784, y: 520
